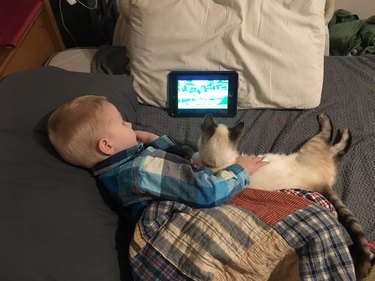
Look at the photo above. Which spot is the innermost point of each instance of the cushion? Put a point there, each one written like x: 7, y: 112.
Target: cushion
x: 277, y: 47
x: 73, y: 59
x: 56, y: 222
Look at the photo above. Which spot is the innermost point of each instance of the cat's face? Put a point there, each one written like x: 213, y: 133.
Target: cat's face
x: 219, y: 144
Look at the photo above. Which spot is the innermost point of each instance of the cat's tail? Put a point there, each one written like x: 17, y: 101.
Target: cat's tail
x: 360, y: 251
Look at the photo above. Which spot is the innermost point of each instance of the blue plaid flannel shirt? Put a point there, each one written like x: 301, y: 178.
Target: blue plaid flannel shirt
x: 143, y: 173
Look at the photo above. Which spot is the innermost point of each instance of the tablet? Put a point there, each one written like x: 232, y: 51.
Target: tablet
x: 196, y: 93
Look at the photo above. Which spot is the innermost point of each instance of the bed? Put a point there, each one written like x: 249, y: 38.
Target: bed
x: 58, y: 223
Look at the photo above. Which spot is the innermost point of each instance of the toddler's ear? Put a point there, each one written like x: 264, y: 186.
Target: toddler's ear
x: 105, y: 146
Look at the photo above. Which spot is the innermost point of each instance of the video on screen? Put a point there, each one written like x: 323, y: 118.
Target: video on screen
x: 203, y: 94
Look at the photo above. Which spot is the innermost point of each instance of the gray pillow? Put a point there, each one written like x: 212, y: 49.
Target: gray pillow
x: 57, y: 223
x: 28, y: 97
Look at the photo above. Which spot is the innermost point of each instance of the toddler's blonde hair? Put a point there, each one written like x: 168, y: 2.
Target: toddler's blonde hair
x: 74, y: 129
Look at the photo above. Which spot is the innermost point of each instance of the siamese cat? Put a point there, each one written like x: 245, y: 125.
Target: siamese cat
x: 312, y: 168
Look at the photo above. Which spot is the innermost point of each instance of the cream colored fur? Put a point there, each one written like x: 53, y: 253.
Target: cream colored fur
x: 222, y: 156
x: 312, y: 167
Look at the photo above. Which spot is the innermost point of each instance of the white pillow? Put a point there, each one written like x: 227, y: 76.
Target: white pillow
x: 277, y: 47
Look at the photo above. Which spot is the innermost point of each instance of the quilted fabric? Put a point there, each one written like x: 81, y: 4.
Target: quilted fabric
x: 246, y: 239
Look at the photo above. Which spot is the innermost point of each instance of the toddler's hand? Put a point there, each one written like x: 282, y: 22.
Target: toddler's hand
x: 145, y: 137
x: 251, y: 163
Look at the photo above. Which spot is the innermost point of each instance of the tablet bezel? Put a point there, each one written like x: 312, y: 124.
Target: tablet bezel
x: 173, y: 78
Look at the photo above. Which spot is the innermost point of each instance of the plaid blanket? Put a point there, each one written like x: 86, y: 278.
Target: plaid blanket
x: 258, y: 235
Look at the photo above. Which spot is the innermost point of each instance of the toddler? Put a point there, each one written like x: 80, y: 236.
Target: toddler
x: 137, y: 166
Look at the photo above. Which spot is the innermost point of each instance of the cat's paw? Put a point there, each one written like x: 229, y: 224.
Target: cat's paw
x: 345, y: 139
x: 326, y: 125
x: 342, y: 146
x: 324, y: 119
x: 345, y: 134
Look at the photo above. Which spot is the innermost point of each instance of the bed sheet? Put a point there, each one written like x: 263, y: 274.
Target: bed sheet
x: 348, y: 97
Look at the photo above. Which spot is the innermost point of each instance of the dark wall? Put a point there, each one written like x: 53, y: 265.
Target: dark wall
x: 87, y: 27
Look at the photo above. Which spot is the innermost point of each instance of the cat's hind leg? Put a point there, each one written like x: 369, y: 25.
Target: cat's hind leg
x: 339, y: 148
x: 321, y: 142
x: 326, y: 128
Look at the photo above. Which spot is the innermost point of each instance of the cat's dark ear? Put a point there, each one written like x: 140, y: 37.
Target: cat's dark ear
x: 208, y: 126
x: 236, y: 132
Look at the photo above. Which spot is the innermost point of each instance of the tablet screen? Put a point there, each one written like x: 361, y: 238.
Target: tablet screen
x: 196, y: 93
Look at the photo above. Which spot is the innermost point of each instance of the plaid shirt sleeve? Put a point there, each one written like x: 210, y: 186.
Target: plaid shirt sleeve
x: 162, y: 143
x: 165, y: 176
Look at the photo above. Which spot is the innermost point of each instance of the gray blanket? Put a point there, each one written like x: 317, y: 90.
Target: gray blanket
x: 348, y: 98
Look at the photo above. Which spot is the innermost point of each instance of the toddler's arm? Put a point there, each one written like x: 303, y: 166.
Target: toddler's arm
x: 169, y: 177
x: 145, y: 137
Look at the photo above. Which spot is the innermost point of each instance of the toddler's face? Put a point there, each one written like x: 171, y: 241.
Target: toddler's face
x: 120, y: 132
